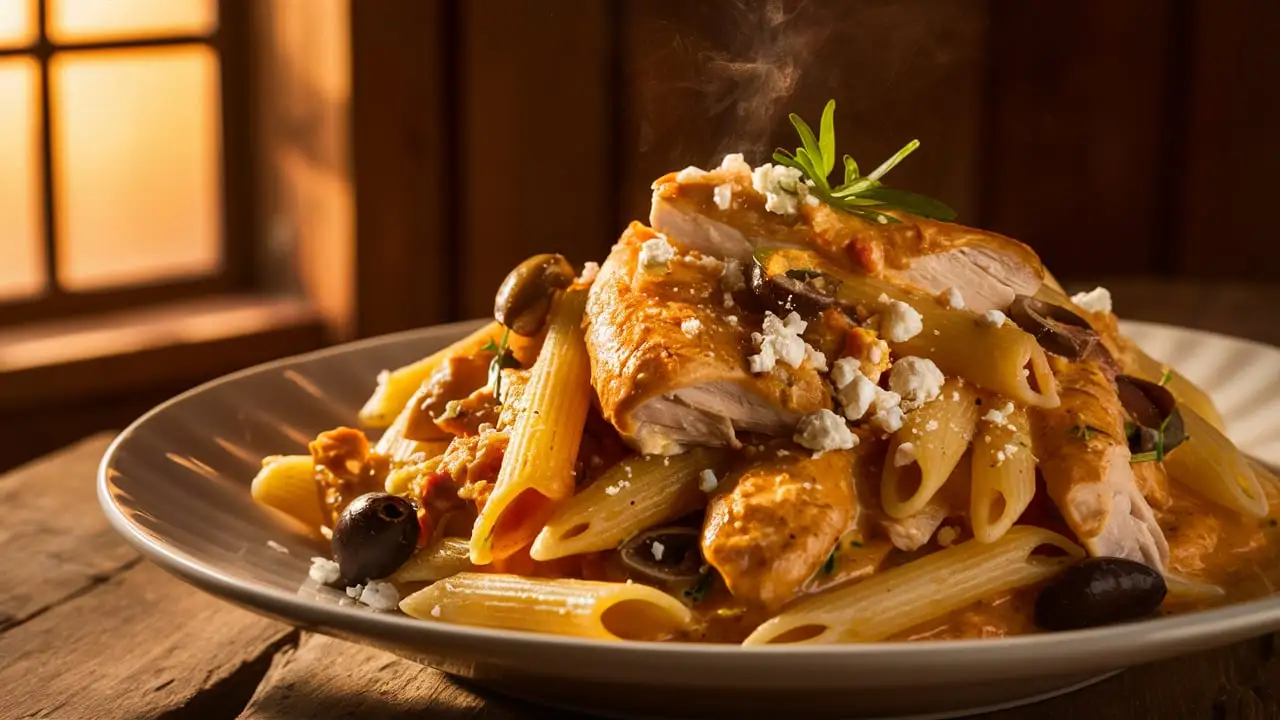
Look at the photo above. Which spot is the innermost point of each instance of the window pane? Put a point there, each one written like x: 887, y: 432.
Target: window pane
x: 17, y: 22
x: 136, y: 156
x: 21, y: 243
x: 78, y: 20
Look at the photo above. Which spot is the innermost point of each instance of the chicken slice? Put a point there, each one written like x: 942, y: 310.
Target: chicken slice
x: 669, y: 360
x: 777, y: 521
x: 987, y: 269
x: 1085, y: 462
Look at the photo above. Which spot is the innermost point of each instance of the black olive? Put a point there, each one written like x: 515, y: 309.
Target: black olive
x: 1099, y: 591
x: 1057, y: 329
x: 524, y: 297
x: 1157, y: 423
x: 664, y: 554
x: 374, y: 536
x: 808, y: 292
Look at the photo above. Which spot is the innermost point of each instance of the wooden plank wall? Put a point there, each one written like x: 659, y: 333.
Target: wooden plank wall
x: 1116, y: 138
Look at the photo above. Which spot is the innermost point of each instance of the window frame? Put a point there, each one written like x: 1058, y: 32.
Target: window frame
x: 231, y: 41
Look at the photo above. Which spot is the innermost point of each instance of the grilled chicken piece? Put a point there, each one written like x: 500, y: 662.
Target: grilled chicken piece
x: 669, y: 361
x: 930, y: 256
x: 1085, y: 462
x: 776, y: 523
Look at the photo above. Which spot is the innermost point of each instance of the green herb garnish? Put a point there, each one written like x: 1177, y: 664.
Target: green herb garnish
x: 502, y: 358
x: 1157, y: 454
x: 829, y: 566
x: 701, y: 588
x: 858, y: 195
x: 1164, y: 379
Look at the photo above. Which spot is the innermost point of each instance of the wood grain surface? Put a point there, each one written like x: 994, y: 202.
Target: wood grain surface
x: 90, y: 630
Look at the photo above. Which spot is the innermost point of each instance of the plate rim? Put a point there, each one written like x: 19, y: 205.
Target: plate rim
x: 1071, y: 651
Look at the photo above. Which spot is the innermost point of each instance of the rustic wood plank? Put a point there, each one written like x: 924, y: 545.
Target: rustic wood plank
x: 54, y: 541
x: 1075, y: 164
x: 536, y: 144
x: 139, y: 645
x: 324, y: 677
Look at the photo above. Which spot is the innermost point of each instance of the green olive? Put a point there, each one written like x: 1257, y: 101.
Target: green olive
x: 525, y: 295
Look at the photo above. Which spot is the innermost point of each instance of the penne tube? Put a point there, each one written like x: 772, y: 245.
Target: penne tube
x: 1210, y: 465
x: 582, y: 608
x: 1004, y: 475
x: 538, y: 466
x: 938, y: 433
x: 396, y: 387
x: 288, y: 484
x: 443, y: 558
x: 634, y: 495
x: 895, y: 600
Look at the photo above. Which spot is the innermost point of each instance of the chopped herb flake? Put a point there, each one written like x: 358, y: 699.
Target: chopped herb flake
x: 502, y: 358
x: 1164, y: 379
x: 701, y: 588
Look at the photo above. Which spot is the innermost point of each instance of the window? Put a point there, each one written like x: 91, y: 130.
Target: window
x: 123, y: 181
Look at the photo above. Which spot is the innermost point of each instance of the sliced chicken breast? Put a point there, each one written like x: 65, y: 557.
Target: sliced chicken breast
x: 1085, y: 462
x: 669, y: 359
x: 987, y: 269
x: 777, y: 522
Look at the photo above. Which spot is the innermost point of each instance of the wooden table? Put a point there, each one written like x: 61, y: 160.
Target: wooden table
x: 88, y: 629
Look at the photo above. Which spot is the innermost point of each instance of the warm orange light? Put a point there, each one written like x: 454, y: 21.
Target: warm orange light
x: 73, y: 20
x: 21, y: 229
x: 136, y: 165
x: 17, y: 22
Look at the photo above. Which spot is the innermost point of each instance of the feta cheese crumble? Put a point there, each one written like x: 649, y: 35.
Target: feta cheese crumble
x: 324, y: 571
x: 917, y: 380
x: 690, y: 173
x: 853, y: 389
x: 655, y: 253
x: 435, y: 611
x: 888, y: 411
x: 1096, y: 300
x: 816, y: 359
x: 904, y: 455
x: 899, y: 322
x: 707, y: 481
x: 952, y: 298
x: 781, y: 186
x: 823, y: 431
x: 991, y: 318
x: 734, y: 162
x: 657, y: 549
x: 691, y: 326
x: 723, y: 195
x: 779, y: 341
x: 999, y: 416
x: 589, y: 272
x: 731, y: 277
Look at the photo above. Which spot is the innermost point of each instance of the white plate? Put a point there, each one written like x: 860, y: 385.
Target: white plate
x: 175, y: 484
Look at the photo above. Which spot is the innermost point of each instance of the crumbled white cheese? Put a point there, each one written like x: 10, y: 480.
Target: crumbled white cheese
x: 589, y: 272
x: 1096, y: 300
x: 723, y: 195
x: 843, y: 371
x: 904, y: 455
x: 1000, y: 456
x: 728, y: 300
x: 1010, y: 449
x: 779, y: 341
x: 378, y: 595
x: 733, y: 319
x: 781, y: 186
x: 324, y: 571
x: 811, y: 200
x: 823, y: 431
x: 354, y: 591
x: 735, y: 163
x: 707, y: 481
x: 931, y: 426
x: 617, y: 487
x: 876, y: 351
x: 853, y: 389
x: 991, y: 318
x: 690, y: 173
x: 435, y: 611
x: 947, y: 536
x: 657, y: 549
x: 816, y: 359
x: 888, y: 411
x: 899, y: 322
x: 917, y: 380
x: 628, y: 470
x: 277, y: 547
x: 655, y: 253
x: 691, y: 326
x: 952, y: 298
x: 731, y: 277
x: 999, y: 416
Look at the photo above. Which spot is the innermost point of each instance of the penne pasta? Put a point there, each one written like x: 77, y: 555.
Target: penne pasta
x: 1004, y: 475
x: 396, y: 387
x: 900, y: 598
x: 938, y: 433
x: 1210, y: 465
x: 443, y: 558
x: 537, y: 469
x: 582, y: 608
x: 288, y: 484
x: 636, y: 494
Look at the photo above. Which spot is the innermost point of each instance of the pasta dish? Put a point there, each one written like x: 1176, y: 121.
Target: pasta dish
x: 797, y: 406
